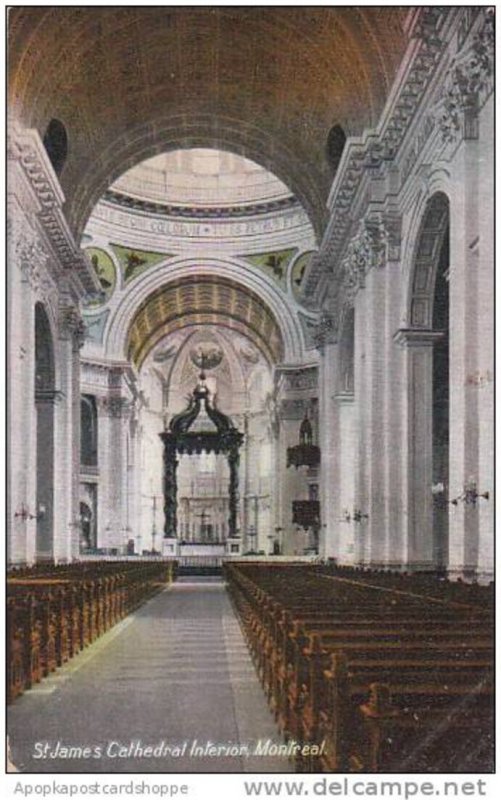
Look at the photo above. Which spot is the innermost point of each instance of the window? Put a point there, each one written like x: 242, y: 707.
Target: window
x: 336, y: 141
x: 88, y: 431
x: 56, y: 144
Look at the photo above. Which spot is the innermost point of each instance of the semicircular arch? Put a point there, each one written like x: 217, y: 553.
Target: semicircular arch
x: 184, y: 269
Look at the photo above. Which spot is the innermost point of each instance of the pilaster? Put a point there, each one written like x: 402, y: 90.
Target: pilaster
x: 418, y: 344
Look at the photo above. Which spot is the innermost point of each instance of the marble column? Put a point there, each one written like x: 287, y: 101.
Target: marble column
x: 485, y: 348
x: 395, y: 415
x: 375, y: 528
x: 105, y: 460
x: 471, y: 528
x: 23, y: 252
x: 330, y: 535
x: 46, y: 502
x: 346, y: 450
x: 67, y: 436
x: 363, y: 412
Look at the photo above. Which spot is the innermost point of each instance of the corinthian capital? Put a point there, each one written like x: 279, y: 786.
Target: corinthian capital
x: 326, y: 332
x: 366, y: 250
x: 469, y: 81
x: 29, y: 253
x: 71, y: 325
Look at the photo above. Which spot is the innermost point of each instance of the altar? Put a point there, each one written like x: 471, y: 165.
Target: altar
x: 173, y: 547
x: 206, y: 524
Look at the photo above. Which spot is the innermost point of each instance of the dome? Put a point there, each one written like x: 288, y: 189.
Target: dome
x: 201, y: 177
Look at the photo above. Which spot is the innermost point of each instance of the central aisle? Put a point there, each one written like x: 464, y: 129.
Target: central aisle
x: 176, y: 673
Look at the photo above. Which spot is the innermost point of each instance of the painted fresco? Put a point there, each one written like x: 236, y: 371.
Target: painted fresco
x: 297, y: 273
x: 274, y: 264
x: 105, y: 270
x: 134, y: 262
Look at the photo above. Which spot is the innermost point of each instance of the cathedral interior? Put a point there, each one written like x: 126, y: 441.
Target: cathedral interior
x: 250, y: 397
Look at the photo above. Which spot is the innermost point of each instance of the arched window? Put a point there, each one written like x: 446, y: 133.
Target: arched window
x: 336, y: 141
x: 88, y: 431
x: 56, y: 144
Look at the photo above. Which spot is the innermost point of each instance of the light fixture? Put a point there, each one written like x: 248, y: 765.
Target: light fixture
x: 357, y: 515
x: 24, y: 513
x: 470, y: 495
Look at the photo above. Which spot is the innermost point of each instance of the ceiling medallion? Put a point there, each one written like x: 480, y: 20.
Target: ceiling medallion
x: 206, y: 356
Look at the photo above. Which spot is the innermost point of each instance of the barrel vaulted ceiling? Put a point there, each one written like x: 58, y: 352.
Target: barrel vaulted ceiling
x: 268, y: 83
x: 204, y: 300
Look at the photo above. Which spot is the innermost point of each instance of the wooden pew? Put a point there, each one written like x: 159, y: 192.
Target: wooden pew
x: 54, y: 611
x: 396, y: 659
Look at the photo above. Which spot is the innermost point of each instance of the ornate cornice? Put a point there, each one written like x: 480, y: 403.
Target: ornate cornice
x: 26, y: 148
x: 424, y: 55
x: 200, y: 212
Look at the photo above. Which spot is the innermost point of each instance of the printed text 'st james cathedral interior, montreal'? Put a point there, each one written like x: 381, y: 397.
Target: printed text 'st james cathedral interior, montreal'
x: 250, y: 396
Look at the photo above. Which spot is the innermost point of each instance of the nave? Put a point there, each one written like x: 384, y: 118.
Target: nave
x: 363, y: 671
x: 251, y: 319
x: 175, y: 671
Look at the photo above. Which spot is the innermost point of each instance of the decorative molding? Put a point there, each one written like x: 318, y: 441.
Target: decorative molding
x: 25, y: 147
x: 309, y: 326
x: 195, y: 229
x: 469, y: 81
x: 425, y: 130
x: 425, y: 55
x: 30, y: 254
x: 71, y: 325
x: 49, y: 396
x: 326, y: 332
x: 344, y: 398
x: 367, y: 250
x: 116, y: 407
x: 417, y: 337
x: 200, y: 212
x: 301, y: 379
x: 292, y: 409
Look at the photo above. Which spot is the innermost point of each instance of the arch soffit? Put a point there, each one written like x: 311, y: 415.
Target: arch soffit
x: 201, y: 300
x: 438, y: 182
x: 422, y: 253
x: 238, y: 272
x: 186, y: 131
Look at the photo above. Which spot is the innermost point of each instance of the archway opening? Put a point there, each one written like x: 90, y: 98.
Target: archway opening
x: 45, y: 398
x: 440, y: 432
x: 197, y: 247
x: 429, y: 387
